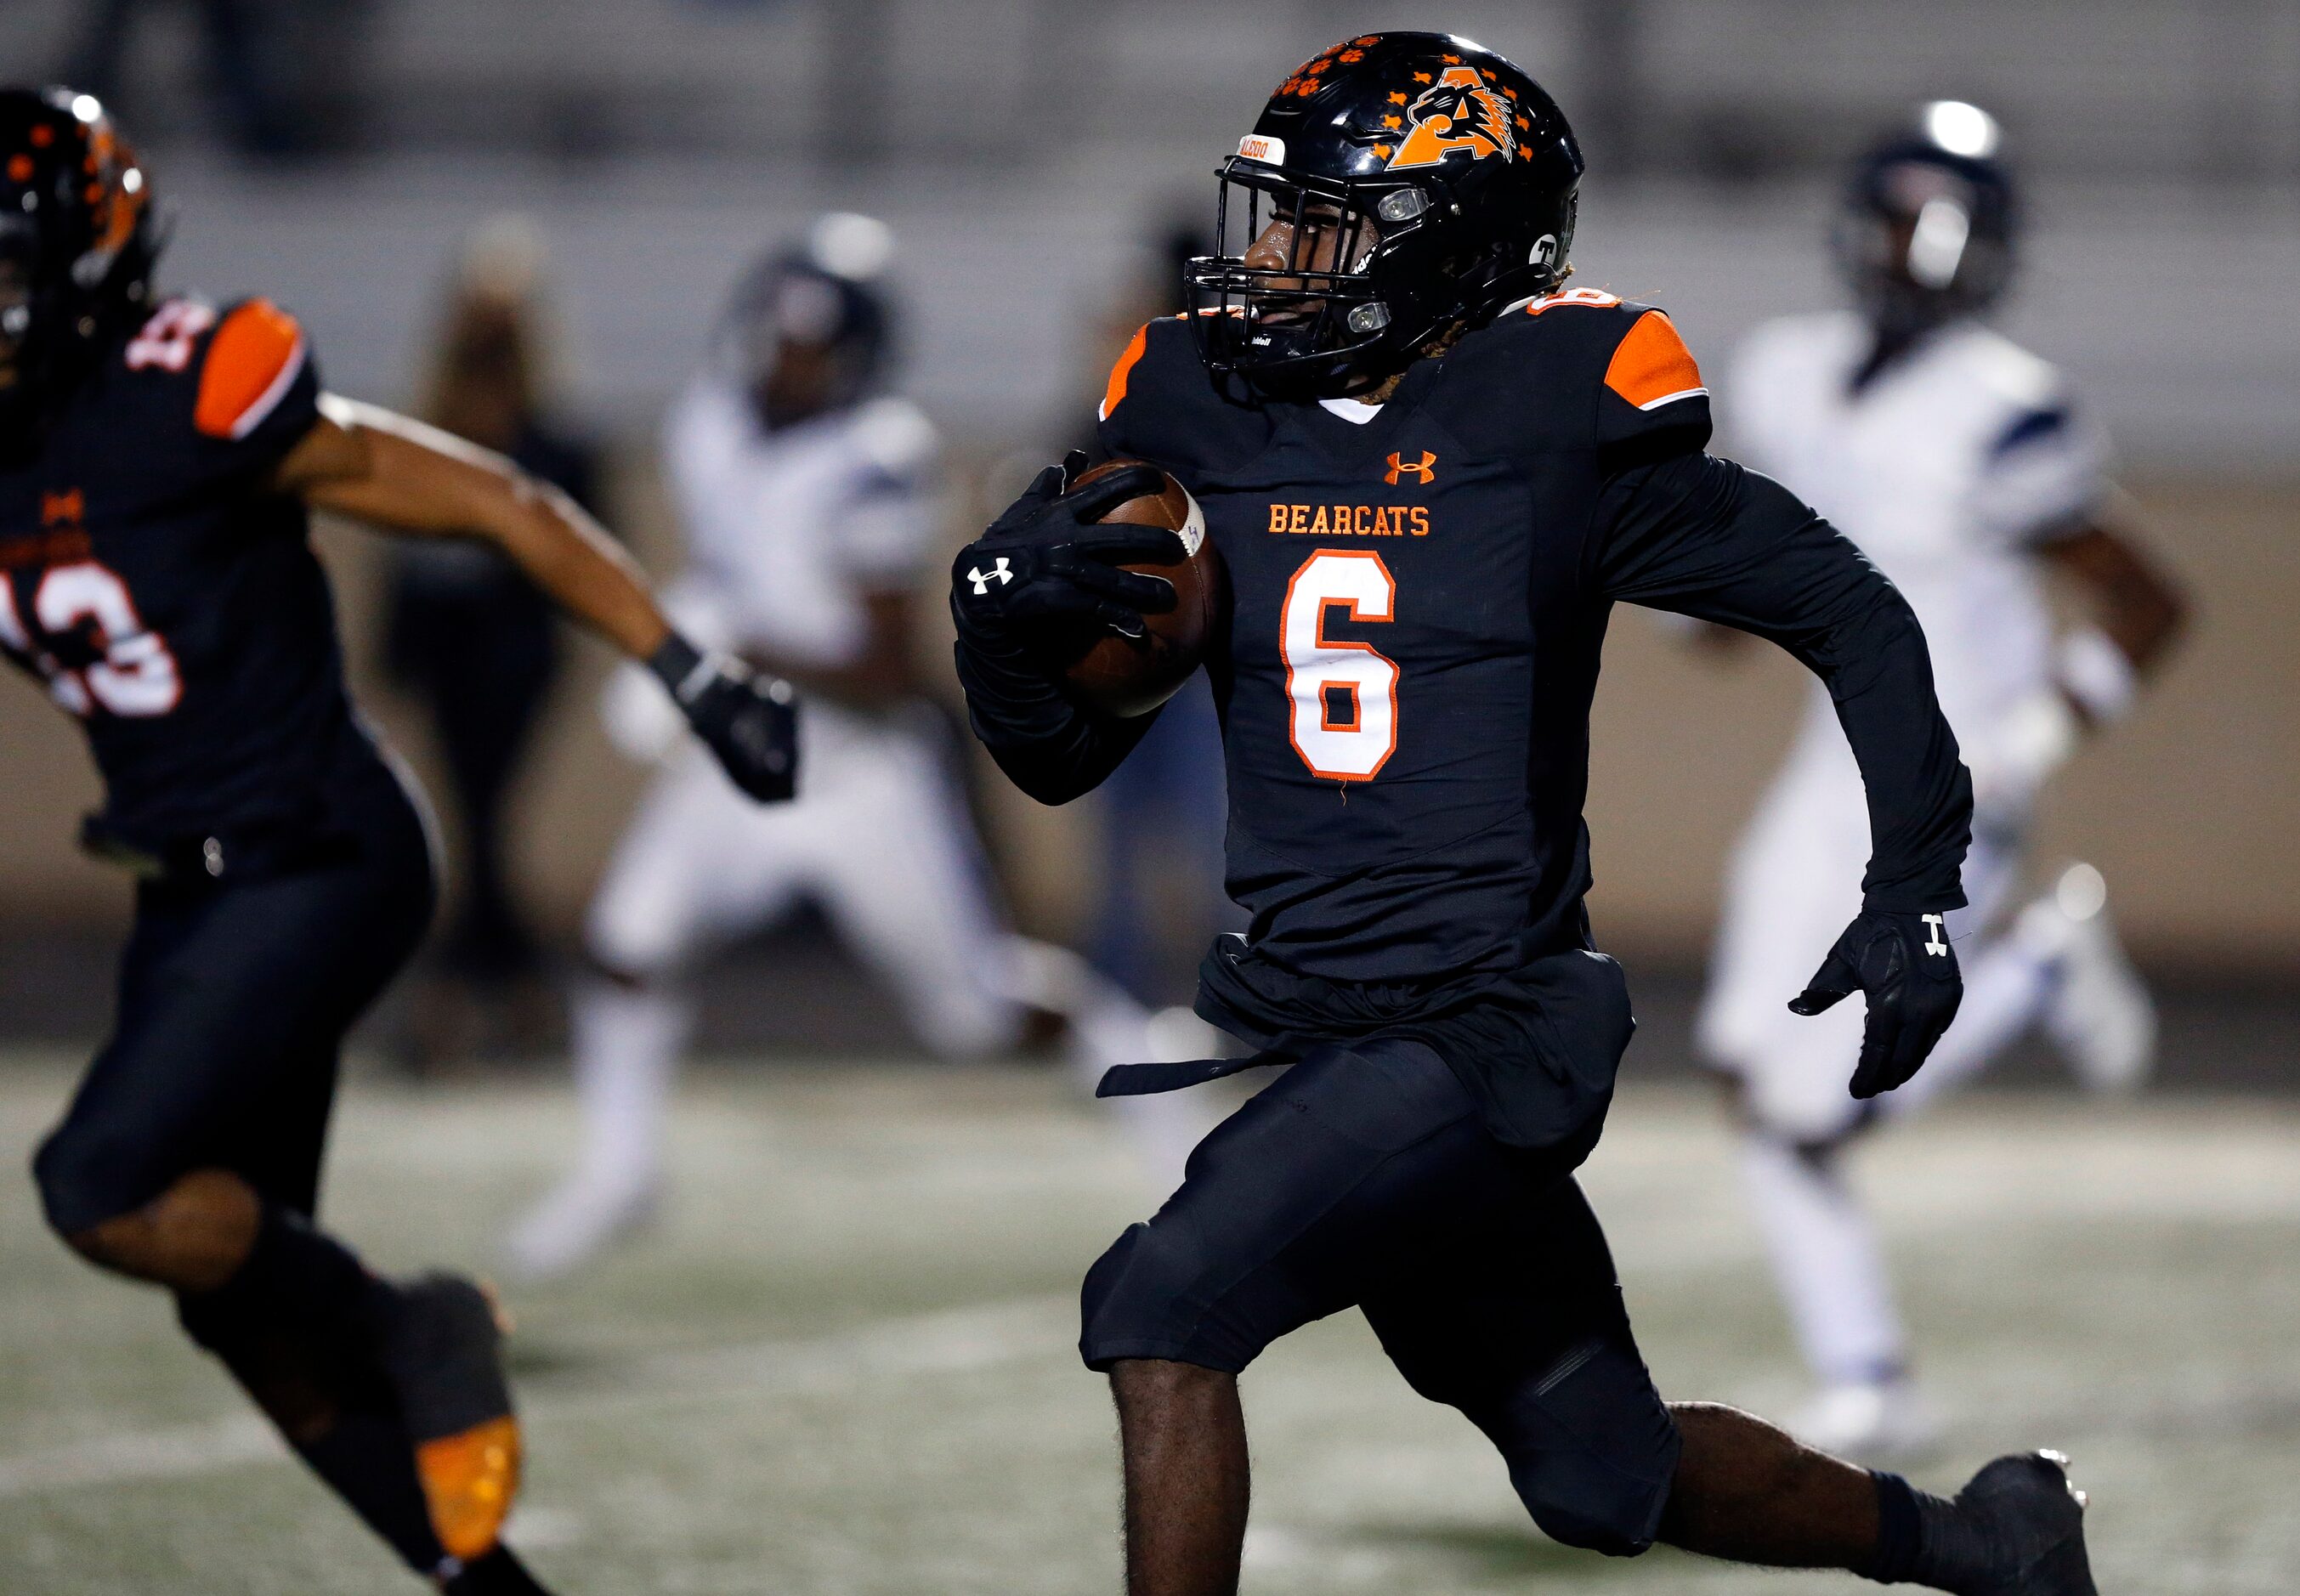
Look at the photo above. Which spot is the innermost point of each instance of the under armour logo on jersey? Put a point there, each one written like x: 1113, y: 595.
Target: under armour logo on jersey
x: 68, y: 508
x: 1422, y: 470
x: 1936, y: 925
x: 981, y: 579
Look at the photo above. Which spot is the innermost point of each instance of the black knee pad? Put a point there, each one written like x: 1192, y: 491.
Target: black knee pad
x: 1142, y: 1299
x: 80, y: 1179
x: 1591, y: 1447
x: 52, y: 1175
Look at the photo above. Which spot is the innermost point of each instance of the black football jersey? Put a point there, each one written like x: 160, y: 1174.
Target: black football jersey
x: 1413, y: 642
x: 1418, y: 596
x: 168, y: 599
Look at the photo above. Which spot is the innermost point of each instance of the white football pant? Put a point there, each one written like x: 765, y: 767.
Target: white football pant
x: 879, y: 838
x: 1793, y: 885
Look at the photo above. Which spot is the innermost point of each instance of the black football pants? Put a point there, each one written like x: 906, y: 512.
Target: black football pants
x: 234, y: 998
x: 1366, y: 1177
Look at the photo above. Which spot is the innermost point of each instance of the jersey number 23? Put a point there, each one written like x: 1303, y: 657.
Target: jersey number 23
x: 137, y: 675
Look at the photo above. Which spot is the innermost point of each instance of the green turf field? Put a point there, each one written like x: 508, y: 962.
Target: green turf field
x: 842, y: 1364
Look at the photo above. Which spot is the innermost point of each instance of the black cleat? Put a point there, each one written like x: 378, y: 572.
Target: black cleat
x: 443, y: 1350
x: 2032, y: 1519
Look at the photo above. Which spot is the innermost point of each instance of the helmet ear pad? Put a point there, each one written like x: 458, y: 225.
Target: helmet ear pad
x: 1524, y: 261
x: 1443, y: 273
x: 1411, y: 272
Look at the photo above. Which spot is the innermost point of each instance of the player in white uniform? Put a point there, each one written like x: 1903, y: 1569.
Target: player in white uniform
x: 807, y: 500
x: 1959, y: 464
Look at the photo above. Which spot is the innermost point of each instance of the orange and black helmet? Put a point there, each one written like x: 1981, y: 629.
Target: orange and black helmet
x: 1396, y: 185
x: 77, y: 234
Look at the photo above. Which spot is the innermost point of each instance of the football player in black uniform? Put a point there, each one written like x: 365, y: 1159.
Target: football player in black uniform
x: 1430, y: 470
x: 157, y: 460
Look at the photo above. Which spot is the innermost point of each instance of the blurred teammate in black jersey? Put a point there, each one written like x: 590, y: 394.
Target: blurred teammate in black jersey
x: 1430, y: 470
x: 157, y: 460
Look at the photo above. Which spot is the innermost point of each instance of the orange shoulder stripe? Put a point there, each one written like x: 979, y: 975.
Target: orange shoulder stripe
x: 1652, y: 365
x: 1116, y: 390
x: 253, y: 356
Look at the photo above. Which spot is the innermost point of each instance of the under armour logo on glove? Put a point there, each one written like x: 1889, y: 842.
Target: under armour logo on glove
x: 1049, y: 562
x: 1904, y: 965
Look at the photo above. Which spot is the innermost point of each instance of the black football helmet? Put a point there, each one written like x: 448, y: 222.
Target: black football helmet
x: 79, y: 236
x: 1926, y: 231
x: 823, y: 297
x: 1395, y: 186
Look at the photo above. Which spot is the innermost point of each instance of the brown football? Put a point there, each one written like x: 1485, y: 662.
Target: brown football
x: 1133, y: 676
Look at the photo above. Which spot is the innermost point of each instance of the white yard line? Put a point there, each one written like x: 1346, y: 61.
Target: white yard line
x: 143, y: 1455
x: 950, y: 1341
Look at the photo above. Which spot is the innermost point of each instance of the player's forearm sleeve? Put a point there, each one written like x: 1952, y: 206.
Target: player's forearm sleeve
x: 1048, y: 746
x: 1704, y: 537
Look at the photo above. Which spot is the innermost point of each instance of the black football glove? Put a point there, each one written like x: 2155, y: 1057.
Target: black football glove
x: 1045, y: 564
x: 1905, y: 966
x: 750, y: 721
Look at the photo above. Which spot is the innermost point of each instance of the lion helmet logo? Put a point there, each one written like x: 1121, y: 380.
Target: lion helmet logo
x: 1455, y: 114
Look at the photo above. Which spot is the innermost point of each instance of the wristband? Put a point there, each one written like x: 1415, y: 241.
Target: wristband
x: 2097, y: 674
x: 681, y: 668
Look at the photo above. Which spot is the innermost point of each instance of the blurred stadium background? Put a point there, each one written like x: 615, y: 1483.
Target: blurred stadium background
x: 1032, y: 156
